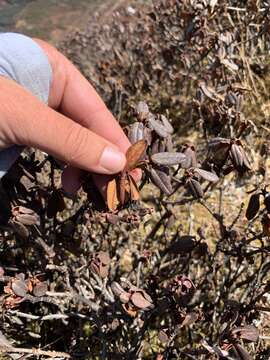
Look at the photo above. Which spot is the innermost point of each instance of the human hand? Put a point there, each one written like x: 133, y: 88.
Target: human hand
x: 76, y: 127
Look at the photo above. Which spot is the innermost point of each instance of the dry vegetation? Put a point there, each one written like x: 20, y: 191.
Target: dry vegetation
x: 184, y: 272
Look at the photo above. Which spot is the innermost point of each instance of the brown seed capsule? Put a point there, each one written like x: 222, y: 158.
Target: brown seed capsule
x: 195, y: 188
x: 253, y: 206
x: 168, y: 159
x: 236, y: 156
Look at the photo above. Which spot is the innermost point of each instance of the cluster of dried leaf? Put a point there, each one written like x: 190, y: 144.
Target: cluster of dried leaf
x: 184, y: 272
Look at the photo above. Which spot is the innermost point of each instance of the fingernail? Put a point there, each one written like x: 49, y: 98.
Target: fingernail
x: 112, y: 160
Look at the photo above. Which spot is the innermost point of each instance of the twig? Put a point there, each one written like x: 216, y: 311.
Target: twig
x: 33, y: 351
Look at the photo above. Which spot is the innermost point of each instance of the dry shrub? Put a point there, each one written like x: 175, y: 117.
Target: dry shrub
x: 184, y: 273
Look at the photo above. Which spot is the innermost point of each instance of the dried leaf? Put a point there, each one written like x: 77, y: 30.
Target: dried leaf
x: 112, y: 196
x: 185, y: 244
x: 195, y: 188
x: 104, y: 257
x: 241, y: 352
x: 229, y: 64
x: 166, y: 124
x: 19, y: 229
x: 136, y: 132
x: 190, y: 318
x: 117, y: 288
x: 162, y: 180
x: 130, y: 310
x: 40, y: 289
x: 158, y: 127
x: 163, y: 337
x: 140, y: 302
x: 134, y: 191
x: 236, y: 156
x: 168, y: 159
x: 206, y: 175
x: 25, y: 216
x: 142, y: 110
x: 134, y: 154
x: 191, y: 159
x: 253, y: 206
x: 19, y: 287
x: 124, y: 189
x: 248, y: 332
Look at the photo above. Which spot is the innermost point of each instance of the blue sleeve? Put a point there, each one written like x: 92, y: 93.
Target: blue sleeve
x: 23, y: 60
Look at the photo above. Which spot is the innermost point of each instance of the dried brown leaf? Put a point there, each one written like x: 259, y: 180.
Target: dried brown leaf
x: 134, y: 154
x: 112, y: 196
x: 253, y: 206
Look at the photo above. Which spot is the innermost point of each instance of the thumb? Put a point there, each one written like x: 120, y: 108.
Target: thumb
x: 27, y: 121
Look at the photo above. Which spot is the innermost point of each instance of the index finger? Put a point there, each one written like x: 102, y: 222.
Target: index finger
x: 76, y: 98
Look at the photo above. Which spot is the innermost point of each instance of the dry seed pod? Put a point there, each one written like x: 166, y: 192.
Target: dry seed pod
x: 134, y: 154
x: 168, y: 159
x: 206, y: 175
x: 195, y: 188
x: 253, y: 206
x: 162, y: 180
